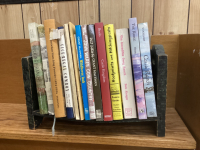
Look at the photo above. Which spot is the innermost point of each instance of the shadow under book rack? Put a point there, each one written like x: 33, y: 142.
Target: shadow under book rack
x: 159, y: 68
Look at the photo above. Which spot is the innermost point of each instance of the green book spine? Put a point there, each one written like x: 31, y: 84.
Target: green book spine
x: 38, y: 69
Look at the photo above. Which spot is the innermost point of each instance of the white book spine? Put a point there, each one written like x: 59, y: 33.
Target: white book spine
x: 126, y: 77
x: 65, y: 74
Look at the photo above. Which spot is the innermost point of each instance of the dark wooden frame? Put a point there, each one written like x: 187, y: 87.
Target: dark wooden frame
x: 4, y: 2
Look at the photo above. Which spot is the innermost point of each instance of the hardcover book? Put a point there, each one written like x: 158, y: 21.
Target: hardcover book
x: 113, y: 71
x: 88, y: 72
x: 71, y: 72
x: 45, y: 65
x: 126, y: 76
x: 65, y: 74
x: 147, y: 69
x: 76, y: 69
x: 137, y: 69
x: 82, y: 70
x: 55, y: 69
x: 95, y: 73
x: 103, y: 71
x: 37, y: 63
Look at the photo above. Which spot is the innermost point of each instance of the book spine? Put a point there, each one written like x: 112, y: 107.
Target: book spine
x: 147, y: 69
x: 37, y: 63
x: 46, y: 72
x: 103, y: 70
x: 126, y: 76
x: 95, y: 73
x: 65, y: 74
x: 137, y: 69
x: 82, y: 70
x: 71, y: 72
x: 88, y: 73
x: 113, y: 72
x: 55, y: 70
x: 30, y: 89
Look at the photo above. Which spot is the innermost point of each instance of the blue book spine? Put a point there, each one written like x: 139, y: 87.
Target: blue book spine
x: 81, y: 62
x: 147, y: 70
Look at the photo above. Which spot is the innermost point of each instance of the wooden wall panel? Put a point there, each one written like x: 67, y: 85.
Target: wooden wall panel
x: 194, y: 17
x: 63, y: 12
x: 31, y: 13
x: 115, y: 12
x: 170, y: 17
x: 143, y: 10
x: 89, y: 11
x: 11, y: 24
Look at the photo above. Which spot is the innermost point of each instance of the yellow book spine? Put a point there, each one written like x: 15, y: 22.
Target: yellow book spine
x: 113, y: 72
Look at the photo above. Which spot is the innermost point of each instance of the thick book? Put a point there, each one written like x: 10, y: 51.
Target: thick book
x: 103, y: 71
x: 65, y: 74
x: 37, y: 63
x: 137, y: 69
x: 113, y: 71
x: 71, y: 72
x: 95, y: 73
x: 55, y: 69
x: 81, y: 61
x: 45, y: 65
x: 76, y: 69
x: 126, y: 75
x: 88, y: 72
x: 30, y: 89
x: 147, y: 69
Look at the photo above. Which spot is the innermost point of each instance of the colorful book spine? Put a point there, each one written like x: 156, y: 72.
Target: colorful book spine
x: 126, y: 76
x: 46, y: 72
x: 37, y: 63
x: 147, y: 69
x: 65, y: 74
x: 88, y: 72
x: 82, y: 70
x: 113, y: 72
x: 55, y: 69
x: 137, y: 69
x: 95, y: 73
x: 103, y: 71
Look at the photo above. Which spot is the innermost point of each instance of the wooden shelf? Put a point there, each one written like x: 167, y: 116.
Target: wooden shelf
x: 14, y: 125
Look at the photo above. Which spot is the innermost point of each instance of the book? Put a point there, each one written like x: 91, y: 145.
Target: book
x: 71, y: 72
x: 76, y: 70
x: 88, y: 72
x: 81, y: 61
x: 95, y: 73
x: 55, y: 69
x: 45, y: 65
x: 113, y: 71
x: 147, y: 69
x: 30, y: 89
x: 103, y: 71
x: 126, y: 76
x: 37, y: 63
x: 65, y: 74
x: 137, y: 69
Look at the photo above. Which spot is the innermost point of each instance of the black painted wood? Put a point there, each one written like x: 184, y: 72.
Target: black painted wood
x: 3, y: 2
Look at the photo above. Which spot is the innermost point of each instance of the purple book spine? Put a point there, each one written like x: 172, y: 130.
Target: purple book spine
x: 137, y: 69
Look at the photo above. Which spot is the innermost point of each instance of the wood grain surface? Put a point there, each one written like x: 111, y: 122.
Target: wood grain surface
x: 170, y: 17
x: 130, y: 134
x: 11, y: 78
x: 171, y: 46
x: 11, y: 24
x: 62, y: 12
x: 188, y: 83
x: 194, y: 17
x: 115, y: 12
x: 89, y: 11
x: 31, y: 13
x: 143, y: 10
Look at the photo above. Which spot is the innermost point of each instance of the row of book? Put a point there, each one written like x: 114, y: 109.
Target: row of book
x: 92, y: 72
